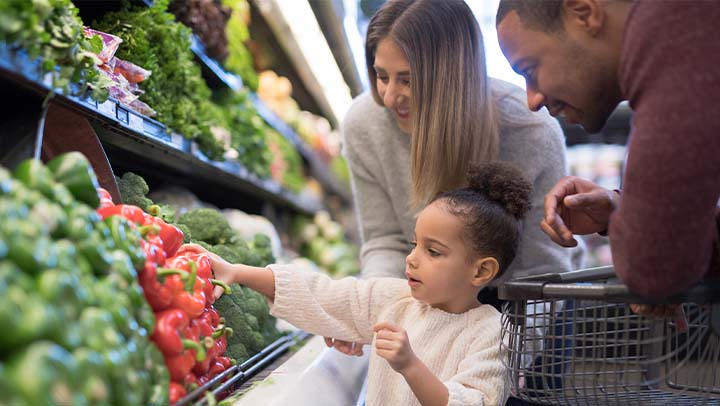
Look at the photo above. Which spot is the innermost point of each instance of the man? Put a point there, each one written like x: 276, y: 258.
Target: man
x: 580, y: 58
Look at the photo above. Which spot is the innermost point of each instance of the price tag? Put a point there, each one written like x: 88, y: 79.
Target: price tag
x: 108, y: 108
x: 136, y: 122
x: 177, y: 139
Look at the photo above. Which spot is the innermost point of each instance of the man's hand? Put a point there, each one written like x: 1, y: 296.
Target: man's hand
x: 345, y: 347
x: 674, y: 311
x: 392, y: 344
x: 576, y: 206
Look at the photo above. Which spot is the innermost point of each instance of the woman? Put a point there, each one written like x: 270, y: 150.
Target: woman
x: 431, y: 112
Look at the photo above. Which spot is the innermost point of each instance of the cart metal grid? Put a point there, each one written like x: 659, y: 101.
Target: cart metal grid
x: 572, y: 339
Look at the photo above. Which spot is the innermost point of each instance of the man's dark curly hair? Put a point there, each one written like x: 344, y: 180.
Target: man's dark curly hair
x: 492, y: 207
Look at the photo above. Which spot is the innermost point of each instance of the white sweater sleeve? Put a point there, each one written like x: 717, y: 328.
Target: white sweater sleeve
x: 345, y: 309
x: 481, y: 379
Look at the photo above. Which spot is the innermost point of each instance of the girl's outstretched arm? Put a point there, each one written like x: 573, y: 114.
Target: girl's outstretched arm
x: 260, y: 280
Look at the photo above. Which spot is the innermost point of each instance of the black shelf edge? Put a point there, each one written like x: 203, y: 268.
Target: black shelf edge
x: 217, y: 72
x: 151, y: 139
x: 318, y: 169
x: 234, y: 377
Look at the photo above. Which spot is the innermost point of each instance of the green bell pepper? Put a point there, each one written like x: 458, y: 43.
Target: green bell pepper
x: 51, y: 216
x: 45, y: 373
x: 126, y: 239
x: 95, y: 387
x: 62, y: 196
x: 159, y: 376
x: 70, y: 260
x: 96, y: 249
x: 25, y: 316
x: 8, y: 393
x: 33, y: 174
x: 81, y: 221
x: 33, y: 255
x: 63, y: 289
x: 74, y: 171
x: 99, y: 330
x: 122, y: 269
x: 6, y: 181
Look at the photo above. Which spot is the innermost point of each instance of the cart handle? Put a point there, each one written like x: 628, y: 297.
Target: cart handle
x: 596, y: 284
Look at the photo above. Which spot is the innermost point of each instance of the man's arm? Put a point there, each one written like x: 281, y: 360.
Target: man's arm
x: 662, y: 233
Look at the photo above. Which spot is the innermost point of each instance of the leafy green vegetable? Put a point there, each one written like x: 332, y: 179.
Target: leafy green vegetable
x: 51, y: 31
x: 176, y: 90
x: 236, y: 111
x: 239, y: 58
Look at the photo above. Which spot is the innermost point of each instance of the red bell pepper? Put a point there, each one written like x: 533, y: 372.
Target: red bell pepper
x: 172, y: 236
x: 180, y: 365
x: 205, y: 331
x: 105, y: 198
x: 168, y: 334
x: 132, y: 213
x: 160, y: 294
x: 191, y: 381
x: 211, y: 316
x: 226, y: 361
x: 191, y: 299
x: 176, y: 392
x: 152, y: 246
x: 215, y: 369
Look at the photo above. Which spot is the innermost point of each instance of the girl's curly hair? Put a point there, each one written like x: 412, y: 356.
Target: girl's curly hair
x: 492, y: 208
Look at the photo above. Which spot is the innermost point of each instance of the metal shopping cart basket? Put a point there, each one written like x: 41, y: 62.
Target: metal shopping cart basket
x: 572, y: 339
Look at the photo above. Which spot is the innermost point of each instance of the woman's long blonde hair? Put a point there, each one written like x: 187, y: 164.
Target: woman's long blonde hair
x: 454, y: 122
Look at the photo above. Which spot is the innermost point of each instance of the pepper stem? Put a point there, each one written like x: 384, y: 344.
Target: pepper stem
x: 149, y: 229
x: 225, y: 286
x: 163, y: 272
x: 190, y: 282
x: 222, y: 331
x: 154, y: 210
x: 194, y: 345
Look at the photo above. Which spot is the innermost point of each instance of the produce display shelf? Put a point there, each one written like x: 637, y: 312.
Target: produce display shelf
x: 149, y: 141
x: 214, y: 72
x: 216, y: 75
x: 232, y: 378
x: 318, y: 169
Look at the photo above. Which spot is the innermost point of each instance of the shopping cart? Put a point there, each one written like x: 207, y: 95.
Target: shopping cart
x: 573, y: 340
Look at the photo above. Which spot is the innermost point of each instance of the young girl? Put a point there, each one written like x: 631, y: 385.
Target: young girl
x: 433, y: 342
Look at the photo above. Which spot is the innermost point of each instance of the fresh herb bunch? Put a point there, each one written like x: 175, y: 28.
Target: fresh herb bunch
x: 176, y: 90
x: 239, y: 59
x: 52, y: 31
x: 248, y: 130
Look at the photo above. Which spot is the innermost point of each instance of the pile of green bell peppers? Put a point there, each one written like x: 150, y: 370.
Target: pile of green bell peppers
x: 75, y: 322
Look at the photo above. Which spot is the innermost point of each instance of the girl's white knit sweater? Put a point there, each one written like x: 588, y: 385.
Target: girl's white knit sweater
x: 462, y: 350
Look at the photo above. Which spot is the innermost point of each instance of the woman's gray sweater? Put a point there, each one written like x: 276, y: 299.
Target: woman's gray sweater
x: 378, y: 154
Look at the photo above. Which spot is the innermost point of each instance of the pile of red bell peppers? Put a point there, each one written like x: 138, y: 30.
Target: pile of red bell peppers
x: 179, y: 286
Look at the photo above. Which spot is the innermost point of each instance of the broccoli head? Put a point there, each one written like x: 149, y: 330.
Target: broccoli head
x: 228, y: 253
x: 238, y: 352
x: 133, y: 190
x: 207, y: 225
x: 237, y: 309
x: 187, y: 236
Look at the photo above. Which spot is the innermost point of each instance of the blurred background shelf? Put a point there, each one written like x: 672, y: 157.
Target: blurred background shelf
x: 136, y: 142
